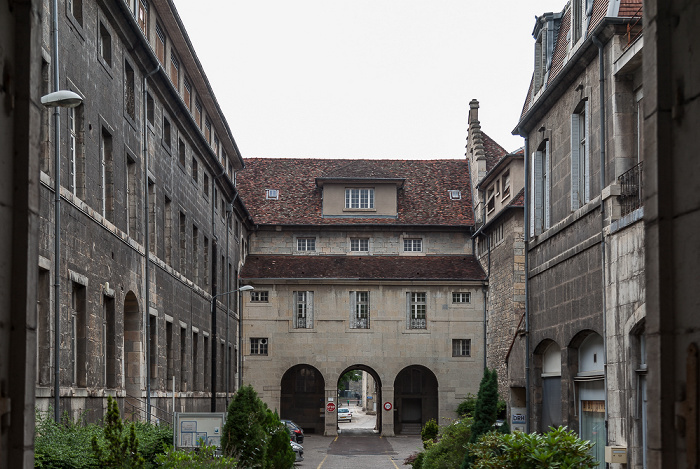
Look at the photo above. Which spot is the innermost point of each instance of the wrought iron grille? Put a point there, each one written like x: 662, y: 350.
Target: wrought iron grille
x: 631, y: 189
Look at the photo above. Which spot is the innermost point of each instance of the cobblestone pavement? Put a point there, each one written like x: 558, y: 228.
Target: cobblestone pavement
x: 358, y: 449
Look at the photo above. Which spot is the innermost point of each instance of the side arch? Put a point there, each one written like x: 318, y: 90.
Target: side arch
x: 415, y: 398
x: 133, y: 350
x: 302, y: 397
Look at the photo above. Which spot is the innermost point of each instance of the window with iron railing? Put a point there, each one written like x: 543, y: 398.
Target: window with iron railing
x: 631, y: 192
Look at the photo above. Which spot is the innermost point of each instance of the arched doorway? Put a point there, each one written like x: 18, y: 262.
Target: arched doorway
x: 302, y: 397
x: 416, y: 399
x: 360, y: 390
x: 133, y: 354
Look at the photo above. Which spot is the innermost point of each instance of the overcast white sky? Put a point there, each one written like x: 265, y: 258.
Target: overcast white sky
x: 365, y: 78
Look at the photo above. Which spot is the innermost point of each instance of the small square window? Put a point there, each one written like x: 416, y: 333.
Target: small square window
x: 455, y: 194
x: 461, y: 347
x: 461, y: 297
x: 272, y: 194
x: 306, y: 244
x: 359, y: 244
x: 413, y: 245
x: 259, y: 296
x: 258, y: 346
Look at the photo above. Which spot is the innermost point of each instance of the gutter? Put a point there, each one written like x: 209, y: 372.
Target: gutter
x: 526, y: 231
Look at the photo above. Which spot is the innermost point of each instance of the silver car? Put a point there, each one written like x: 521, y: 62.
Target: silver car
x: 298, y: 451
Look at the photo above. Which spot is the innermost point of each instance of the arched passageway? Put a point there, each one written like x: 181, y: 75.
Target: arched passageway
x: 366, y: 398
x: 133, y: 351
x: 415, y: 398
x: 302, y: 398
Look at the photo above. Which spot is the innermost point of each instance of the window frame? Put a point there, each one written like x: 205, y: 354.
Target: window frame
x: 461, y: 295
x: 359, y: 244
x: 259, y: 346
x: 306, y: 244
x: 303, y: 310
x: 461, y: 348
x: 580, y: 156
x: 413, y: 243
x: 360, y: 309
x: 259, y: 296
x: 359, y: 198
x: 417, y: 310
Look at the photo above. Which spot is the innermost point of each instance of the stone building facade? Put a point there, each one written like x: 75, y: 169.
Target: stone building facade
x: 498, y: 181
x: 362, y: 265
x: 151, y: 229
x: 584, y: 347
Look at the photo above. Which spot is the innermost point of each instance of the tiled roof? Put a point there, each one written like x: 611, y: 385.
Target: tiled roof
x: 463, y: 268
x: 423, y: 200
x: 630, y: 9
x: 560, y: 46
x: 518, y: 200
x: 600, y: 8
x: 494, y: 152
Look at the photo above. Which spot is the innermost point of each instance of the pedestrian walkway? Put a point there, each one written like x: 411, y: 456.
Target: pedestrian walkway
x: 358, y: 450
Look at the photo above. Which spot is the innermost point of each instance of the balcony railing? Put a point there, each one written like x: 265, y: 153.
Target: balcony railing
x: 417, y: 323
x: 631, y: 193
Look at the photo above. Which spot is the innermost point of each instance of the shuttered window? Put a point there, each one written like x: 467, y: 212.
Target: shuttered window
x: 303, y: 310
x: 359, y: 310
x: 580, y: 160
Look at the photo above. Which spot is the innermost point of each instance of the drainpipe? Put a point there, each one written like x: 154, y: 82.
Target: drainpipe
x: 229, y: 213
x: 214, y: 288
x: 526, y: 230
x: 488, y: 274
x: 601, y: 79
x: 56, y: 222
x: 147, y: 246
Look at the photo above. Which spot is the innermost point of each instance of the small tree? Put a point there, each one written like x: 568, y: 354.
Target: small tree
x: 429, y: 432
x: 121, y: 450
x: 486, y: 408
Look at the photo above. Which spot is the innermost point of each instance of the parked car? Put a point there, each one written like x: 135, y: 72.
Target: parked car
x: 298, y: 451
x: 295, y: 430
x: 344, y: 415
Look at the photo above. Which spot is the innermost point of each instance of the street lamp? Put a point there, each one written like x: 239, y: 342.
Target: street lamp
x: 240, y: 332
x: 228, y: 365
x: 57, y: 100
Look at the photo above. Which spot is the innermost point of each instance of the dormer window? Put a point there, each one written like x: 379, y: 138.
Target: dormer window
x: 359, y: 198
x: 540, y: 59
x: 455, y: 194
x: 577, y: 16
x: 272, y: 194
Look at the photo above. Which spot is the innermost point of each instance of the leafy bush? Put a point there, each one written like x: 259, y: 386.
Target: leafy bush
x: 466, y: 407
x: 120, y: 451
x: 203, y: 457
x: 68, y: 444
x: 449, y: 450
x: 429, y: 432
x: 560, y: 448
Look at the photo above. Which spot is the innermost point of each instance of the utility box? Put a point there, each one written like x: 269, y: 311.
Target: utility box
x: 616, y: 454
x: 193, y: 429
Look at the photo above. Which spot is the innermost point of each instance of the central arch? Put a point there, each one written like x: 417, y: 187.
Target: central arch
x: 416, y: 398
x: 302, y: 397
x: 370, y: 398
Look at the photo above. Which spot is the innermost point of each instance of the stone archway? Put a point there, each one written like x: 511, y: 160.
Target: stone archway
x: 302, y: 397
x: 371, y: 399
x: 133, y: 354
x: 415, y: 398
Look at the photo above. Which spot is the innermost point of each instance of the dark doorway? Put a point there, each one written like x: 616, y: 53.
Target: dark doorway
x: 416, y: 399
x: 302, y: 398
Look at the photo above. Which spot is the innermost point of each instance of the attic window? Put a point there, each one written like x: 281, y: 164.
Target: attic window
x: 455, y: 194
x: 272, y: 194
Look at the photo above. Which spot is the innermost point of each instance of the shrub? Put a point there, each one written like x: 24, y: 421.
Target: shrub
x: 203, y: 457
x: 449, y: 450
x: 121, y: 451
x: 429, y: 432
x: 560, y: 448
x: 466, y: 407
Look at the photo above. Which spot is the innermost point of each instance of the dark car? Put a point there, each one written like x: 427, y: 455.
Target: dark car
x: 295, y: 430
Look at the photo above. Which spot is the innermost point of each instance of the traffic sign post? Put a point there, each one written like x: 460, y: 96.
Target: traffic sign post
x: 330, y: 407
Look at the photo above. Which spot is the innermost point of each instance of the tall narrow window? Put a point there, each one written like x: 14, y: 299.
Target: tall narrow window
x: 153, y: 350
x: 577, y: 15
x: 359, y: 198
x: 183, y: 242
x: 75, y: 151
x: 196, y: 366
x: 195, y: 253
x: 75, y: 8
x: 150, y: 109
x: 206, y: 185
x: 132, y: 196
x: 107, y: 175
x: 170, y: 355
x: 152, y: 228
x: 195, y: 170
x: 183, y: 359
x: 129, y: 91
x: 359, y: 310
x: 79, y: 340
x: 187, y: 93
x: 142, y: 17
x: 160, y: 44
x: 110, y: 343
x: 206, y: 261
x: 105, y: 45
x: 539, y: 219
x: 174, y: 69
x: 168, y: 230
x: 182, y: 153
x: 580, y: 161
x: 303, y: 310
x: 43, y: 333
x: 206, y: 364
x: 416, y: 310
x: 207, y: 130
x: 167, y: 135
x: 198, y: 112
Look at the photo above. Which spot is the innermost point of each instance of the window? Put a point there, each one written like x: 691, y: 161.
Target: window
x: 43, y: 332
x: 416, y: 310
x: 206, y: 185
x: 153, y: 349
x: 187, y: 93
x: 195, y: 253
x: 258, y: 346
x: 541, y: 54
x: 259, y: 296
x: 413, y: 245
x: 207, y: 130
x: 72, y: 148
x: 198, y: 112
x: 491, y: 200
x: 359, y: 198
x: 183, y: 358
x: 505, y: 184
x: 169, y: 353
x: 303, y: 310
x: 132, y: 196
x: 106, y: 175
x: 207, y: 365
x: 183, y: 242
x: 496, y: 236
x: 577, y: 15
x: 359, y: 244
x: 160, y: 44
x: 359, y: 310
x: 129, y: 91
x: 195, y: 170
x: 109, y: 335
x: 455, y: 194
x: 143, y: 16
x: 166, y: 132
x: 539, y: 210
x: 461, y: 297
x: 168, y: 229
x: 174, y: 70
x: 580, y: 162
x: 75, y: 8
x: 206, y: 261
x: 461, y: 347
x: 216, y: 148
x: 306, y: 244
x: 182, y: 152
x: 272, y: 194
x: 105, y: 45
x: 150, y: 109
x: 79, y: 340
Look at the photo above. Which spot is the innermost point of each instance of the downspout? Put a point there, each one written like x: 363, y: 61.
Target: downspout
x: 147, y: 246
x: 526, y: 230
x: 214, y: 288
x: 601, y: 79
x: 229, y: 213
x: 56, y: 222
x: 488, y: 274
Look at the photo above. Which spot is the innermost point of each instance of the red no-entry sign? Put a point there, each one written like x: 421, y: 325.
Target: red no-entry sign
x: 387, y: 405
x: 330, y: 407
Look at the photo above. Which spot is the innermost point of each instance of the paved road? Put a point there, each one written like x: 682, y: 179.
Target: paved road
x: 358, y: 447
